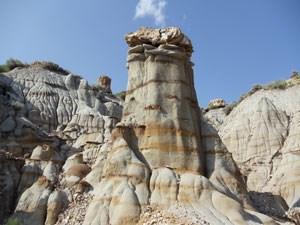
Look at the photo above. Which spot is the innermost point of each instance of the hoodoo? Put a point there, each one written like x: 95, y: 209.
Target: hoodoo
x: 160, y: 163
x: 161, y: 104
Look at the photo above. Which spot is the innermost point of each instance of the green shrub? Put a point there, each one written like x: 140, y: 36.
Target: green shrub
x: 242, y: 97
x: 13, y: 63
x: 121, y: 95
x: 13, y: 221
x: 280, y: 84
x: 10, y: 64
x: 255, y: 88
x: 3, y: 69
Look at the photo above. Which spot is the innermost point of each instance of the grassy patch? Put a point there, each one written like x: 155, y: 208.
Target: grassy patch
x: 3, y: 69
x: 11, y: 64
x: 280, y: 84
x: 51, y: 67
x: 13, y: 221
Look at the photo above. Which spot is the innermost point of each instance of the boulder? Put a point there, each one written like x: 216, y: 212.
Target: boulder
x: 216, y: 104
x: 76, y: 173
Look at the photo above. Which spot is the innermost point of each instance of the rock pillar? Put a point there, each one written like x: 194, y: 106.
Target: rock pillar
x: 104, y: 82
x: 161, y: 103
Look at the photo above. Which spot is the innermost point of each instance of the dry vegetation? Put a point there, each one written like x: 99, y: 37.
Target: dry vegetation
x: 280, y: 84
x: 11, y: 64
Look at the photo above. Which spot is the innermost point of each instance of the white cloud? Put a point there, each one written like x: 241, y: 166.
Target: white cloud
x: 153, y: 8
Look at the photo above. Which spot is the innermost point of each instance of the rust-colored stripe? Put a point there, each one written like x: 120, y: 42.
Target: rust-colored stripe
x: 157, y: 81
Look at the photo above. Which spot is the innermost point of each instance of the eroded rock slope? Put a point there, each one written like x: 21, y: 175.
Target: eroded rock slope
x: 262, y: 133
x: 48, y: 123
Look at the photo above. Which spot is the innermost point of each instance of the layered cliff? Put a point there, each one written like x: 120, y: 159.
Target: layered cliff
x: 75, y: 154
x: 262, y: 133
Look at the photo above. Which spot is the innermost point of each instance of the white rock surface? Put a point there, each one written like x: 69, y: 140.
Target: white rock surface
x: 263, y: 135
x: 32, y: 206
x: 58, y: 200
x: 43, y: 114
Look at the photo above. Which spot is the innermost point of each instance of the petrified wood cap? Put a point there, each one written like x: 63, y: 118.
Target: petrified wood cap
x: 156, y: 37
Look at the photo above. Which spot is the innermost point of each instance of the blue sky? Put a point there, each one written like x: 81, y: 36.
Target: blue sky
x: 237, y: 43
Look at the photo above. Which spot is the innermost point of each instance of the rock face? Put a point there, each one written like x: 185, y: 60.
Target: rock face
x: 262, y: 133
x: 73, y: 154
x: 32, y: 206
x: 264, y: 141
x: 45, y: 119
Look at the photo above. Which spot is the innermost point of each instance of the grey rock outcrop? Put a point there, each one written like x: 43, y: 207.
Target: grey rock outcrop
x: 45, y: 118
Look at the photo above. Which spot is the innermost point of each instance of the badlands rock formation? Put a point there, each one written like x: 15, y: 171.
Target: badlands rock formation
x: 48, y: 123
x: 73, y: 154
x: 262, y: 133
x: 161, y: 100
x: 158, y: 158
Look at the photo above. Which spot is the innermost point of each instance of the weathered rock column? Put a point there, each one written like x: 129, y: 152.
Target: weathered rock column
x: 105, y: 81
x: 161, y: 103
